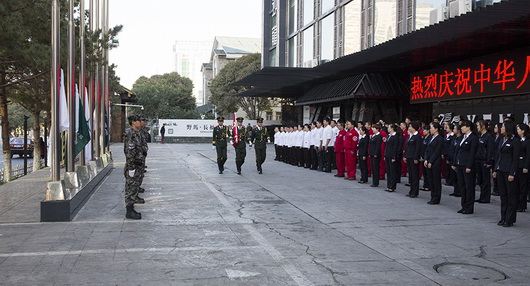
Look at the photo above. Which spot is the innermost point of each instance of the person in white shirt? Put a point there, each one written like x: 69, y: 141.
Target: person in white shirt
x: 276, y: 146
x: 306, y: 145
x: 313, y: 151
x: 298, y: 143
x: 335, y: 130
x: 327, y: 133
x: 281, y: 143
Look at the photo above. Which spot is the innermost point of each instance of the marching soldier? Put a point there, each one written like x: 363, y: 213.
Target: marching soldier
x: 260, y: 138
x: 220, y: 132
x: 135, y: 161
x: 239, y: 134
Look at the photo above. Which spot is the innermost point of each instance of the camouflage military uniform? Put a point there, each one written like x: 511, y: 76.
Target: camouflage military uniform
x: 144, y: 133
x: 240, y: 146
x: 260, y: 138
x: 220, y: 141
x: 134, y: 161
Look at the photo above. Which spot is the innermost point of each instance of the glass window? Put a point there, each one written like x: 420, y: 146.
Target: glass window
x: 293, y: 16
x: 292, y: 47
x: 384, y: 20
x: 278, y: 116
x: 272, y: 58
x: 327, y: 38
x: 352, y: 27
x: 327, y: 5
x: 269, y: 115
x: 307, y: 56
x: 429, y: 12
x: 309, y: 11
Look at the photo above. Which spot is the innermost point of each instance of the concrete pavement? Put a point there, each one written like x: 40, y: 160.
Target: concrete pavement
x: 288, y: 226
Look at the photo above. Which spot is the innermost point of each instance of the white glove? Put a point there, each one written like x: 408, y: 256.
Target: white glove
x: 250, y: 144
x: 213, y: 147
x: 268, y: 141
x: 131, y: 173
x: 231, y: 142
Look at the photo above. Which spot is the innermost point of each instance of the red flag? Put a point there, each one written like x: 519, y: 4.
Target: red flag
x: 234, y: 132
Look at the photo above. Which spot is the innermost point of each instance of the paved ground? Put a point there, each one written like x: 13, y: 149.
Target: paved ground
x: 288, y: 226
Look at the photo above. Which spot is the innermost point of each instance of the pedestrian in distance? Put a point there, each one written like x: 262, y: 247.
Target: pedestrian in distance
x: 162, y: 133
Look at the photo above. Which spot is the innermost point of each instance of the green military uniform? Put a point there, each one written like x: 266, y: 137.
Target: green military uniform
x: 220, y: 134
x: 240, y: 144
x: 260, y: 138
x: 134, y: 162
x: 144, y: 134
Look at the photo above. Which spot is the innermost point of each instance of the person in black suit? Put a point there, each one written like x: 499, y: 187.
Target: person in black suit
x: 523, y: 166
x: 426, y: 139
x: 506, y: 163
x: 484, y: 159
x: 496, y: 143
x: 452, y: 151
x: 447, y: 157
x: 412, y: 158
x: 392, y: 151
x: 433, y: 162
x: 375, y: 153
x: 363, y: 154
x: 465, y: 167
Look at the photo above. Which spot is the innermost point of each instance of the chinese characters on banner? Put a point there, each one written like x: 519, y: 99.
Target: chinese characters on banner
x: 503, y: 74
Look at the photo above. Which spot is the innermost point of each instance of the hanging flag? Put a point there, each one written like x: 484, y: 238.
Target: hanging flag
x: 235, y: 131
x: 83, y: 131
x: 64, y: 122
x: 88, y: 147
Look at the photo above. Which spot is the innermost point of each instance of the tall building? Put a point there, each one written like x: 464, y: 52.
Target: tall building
x: 372, y: 59
x: 188, y: 56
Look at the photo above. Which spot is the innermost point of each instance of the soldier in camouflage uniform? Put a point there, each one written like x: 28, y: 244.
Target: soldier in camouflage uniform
x: 134, y: 162
x: 239, y: 143
x: 260, y: 138
x: 144, y: 133
x: 220, y: 134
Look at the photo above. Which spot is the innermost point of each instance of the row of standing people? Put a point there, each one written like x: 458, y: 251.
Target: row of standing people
x: 454, y: 152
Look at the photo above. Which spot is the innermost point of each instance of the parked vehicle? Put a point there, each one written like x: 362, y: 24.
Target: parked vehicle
x: 17, y: 147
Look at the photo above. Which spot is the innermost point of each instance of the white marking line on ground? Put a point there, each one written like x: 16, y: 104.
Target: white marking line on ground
x: 295, y: 274
x: 128, y: 250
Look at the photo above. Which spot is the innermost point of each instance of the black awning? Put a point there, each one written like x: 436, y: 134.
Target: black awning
x: 358, y: 86
x: 495, y: 28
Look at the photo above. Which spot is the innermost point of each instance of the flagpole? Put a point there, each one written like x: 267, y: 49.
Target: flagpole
x: 91, y: 89
x: 96, y: 94
x: 54, y: 128
x: 107, y: 100
x: 103, y: 83
x: 82, y: 82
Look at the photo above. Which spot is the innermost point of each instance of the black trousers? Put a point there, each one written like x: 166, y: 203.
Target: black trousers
x: 508, y: 195
x: 426, y: 178
x: 375, y: 170
x: 314, y: 160
x: 307, y: 158
x: 300, y: 162
x: 435, y: 182
x: 450, y: 174
x: 522, y: 182
x: 363, y: 165
x: 466, y: 183
x: 329, y: 154
x: 414, y: 177
x: 484, y: 178
x: 392, y: 173
x: 277, y: 152
x: 320, y: 159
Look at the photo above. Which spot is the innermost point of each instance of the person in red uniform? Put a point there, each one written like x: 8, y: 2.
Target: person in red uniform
x: 339, y: 150
x: 351, y: 139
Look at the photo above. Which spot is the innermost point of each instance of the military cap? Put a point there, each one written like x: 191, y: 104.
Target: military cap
x: 219, y: 119
x: 260, y: 120
x: 239, y: 119
x: 133, y: 118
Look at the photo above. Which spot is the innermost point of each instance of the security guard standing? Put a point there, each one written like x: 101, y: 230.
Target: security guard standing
x: 239, y: 134
x: 260, y: 138
x: 220, y: 133
x: 135, y: 160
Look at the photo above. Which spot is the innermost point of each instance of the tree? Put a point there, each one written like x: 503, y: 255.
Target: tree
x: 223, y: 92
x: 165, y: 96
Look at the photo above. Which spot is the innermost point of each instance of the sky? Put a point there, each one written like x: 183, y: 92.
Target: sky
x: 151, y: 27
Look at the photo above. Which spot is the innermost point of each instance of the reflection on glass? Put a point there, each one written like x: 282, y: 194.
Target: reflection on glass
x: 292, y: 52
x: 309, y: 11
x: 327, y: 5
x: 272, y: 57
x: 327, y: 37
x: 429, y: 12
x: 352, y: 27
x: 384, y: 21
x: 293, y: 16
x: 307, y: 56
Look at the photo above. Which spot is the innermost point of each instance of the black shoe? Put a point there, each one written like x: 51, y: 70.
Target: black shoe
x: 132, y: 214
x: 412, y: 196
x: 501, y: 223
x: 407, y: 184
x: 373, y: 186
x: 432, y: 203
x: 339, y: 176
x: 220, y: 172
x: 467, y: 212
x: 139, y: 200
x: 481, y: 202
x: 495, y: 194
x: 260, y: 172
x: 239, y: 173
x: 460, y: 211
x: 362, y: 182
x: 390, y: 190
x: 507, y: 224
x: 141, y: 190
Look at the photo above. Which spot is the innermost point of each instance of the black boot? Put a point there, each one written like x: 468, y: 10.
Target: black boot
x: 220, y: 166
x: 238, y: 165
x: 259, y: 169
x: 141, y: 190
x: 139, y: 200
x: 132, y: 214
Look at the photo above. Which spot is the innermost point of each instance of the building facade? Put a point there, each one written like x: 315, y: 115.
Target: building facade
x: 188, y: 57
